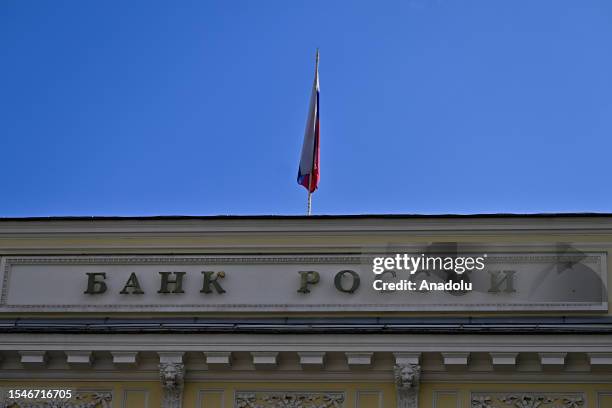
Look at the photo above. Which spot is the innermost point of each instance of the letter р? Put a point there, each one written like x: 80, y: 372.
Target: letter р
x: 308, y: 278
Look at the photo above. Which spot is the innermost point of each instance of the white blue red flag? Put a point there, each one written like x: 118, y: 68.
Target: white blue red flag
x: 308, y: 173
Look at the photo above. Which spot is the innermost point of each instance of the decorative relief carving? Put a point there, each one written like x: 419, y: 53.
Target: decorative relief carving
x: 81, y: 399
x: 527, y: 400
x: 407, y: 379
x: 407, y: 376
x: 289, y: 399
x: 172, y: 376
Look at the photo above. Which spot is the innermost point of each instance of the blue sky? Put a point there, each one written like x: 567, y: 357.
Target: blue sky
x: 198, y: 107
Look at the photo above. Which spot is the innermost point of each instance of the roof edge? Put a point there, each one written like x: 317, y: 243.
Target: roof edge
x: 303, y: 217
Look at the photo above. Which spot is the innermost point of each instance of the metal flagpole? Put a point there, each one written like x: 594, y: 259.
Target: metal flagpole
x: 309, y: 193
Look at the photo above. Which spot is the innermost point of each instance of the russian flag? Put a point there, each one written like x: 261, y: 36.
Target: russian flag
x: 308, y: 173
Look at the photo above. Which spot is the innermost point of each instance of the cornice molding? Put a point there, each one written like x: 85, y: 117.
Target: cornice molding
x: 309, y: 226
x: 286, y: 376
x: 392, y: 343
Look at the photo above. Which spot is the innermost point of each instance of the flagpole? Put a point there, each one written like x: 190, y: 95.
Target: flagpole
x: 309, y: 210
x: 309, y: 200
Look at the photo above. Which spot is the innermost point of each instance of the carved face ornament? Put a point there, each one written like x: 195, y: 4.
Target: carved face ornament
x: 407, y: 376
x: 171, y: 376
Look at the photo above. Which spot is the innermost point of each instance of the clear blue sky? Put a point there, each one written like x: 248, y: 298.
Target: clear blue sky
x: 198, y: 107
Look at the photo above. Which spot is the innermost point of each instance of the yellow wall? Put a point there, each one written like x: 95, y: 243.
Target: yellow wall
x: 221, y: 395
x: 127, y: 394
x: 358, y: 395
x: 449, y: 395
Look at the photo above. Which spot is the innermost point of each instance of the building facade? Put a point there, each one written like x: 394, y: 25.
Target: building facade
x: 289, y: 311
